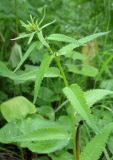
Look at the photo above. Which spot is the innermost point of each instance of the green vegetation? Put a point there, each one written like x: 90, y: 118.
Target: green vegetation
x: 56, y: 80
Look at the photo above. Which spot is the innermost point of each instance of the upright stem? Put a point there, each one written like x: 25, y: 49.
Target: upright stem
x: 73, y: 135
x: 57, y: 59
x: 72, y: 114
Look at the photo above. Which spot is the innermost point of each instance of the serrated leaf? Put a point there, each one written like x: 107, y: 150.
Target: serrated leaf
x: 95, y: 95
x: 17, y: 108
x: 26, y: 55
x: 94, y: 148
x: 61, y: 38
x: 44, y: 134
x: 75, y: 96
x: 46, y: 146
x: 40, y: 74
x: 68, y: 48
x: 37, y: 134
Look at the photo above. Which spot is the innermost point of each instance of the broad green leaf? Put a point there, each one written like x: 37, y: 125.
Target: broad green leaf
x: 42, y: 40
x: 40, y: 74
x: 68, y: 48
x: 26, y: 55
x: 95, y: 95
x: 75, y: 96
x: 61, y: 38
x: 85, y: 70
x: 47, y: 146
x: 94, y: 148
x: 17, y: 108
x: 44, y: 134
x: 37, y: 134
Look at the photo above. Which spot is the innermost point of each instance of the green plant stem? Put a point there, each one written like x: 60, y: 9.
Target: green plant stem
x: 74, y: 135
x: 57, y: 59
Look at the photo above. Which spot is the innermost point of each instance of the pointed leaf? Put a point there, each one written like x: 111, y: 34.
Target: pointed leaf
x: 48, y: 24
x: 94, y: 148
x: 42, y: 39
x: 22, y: 35
x: 68, y: 48
x: 26, y: 55
x: 61, y: 38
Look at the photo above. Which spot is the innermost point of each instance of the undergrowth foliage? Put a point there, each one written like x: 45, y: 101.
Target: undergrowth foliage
x: 38, y: 128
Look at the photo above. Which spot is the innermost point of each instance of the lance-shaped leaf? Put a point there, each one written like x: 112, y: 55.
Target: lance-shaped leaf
x: 61, y: 38
x: 42, y: 40
x: 94, y: 148
x: 76, y: 97
x: 17, y: 108
x: 40, y: 74
x: 94, y: 95
x: 68, y: 48
x: 26, y: 55
x: 22, y: 35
